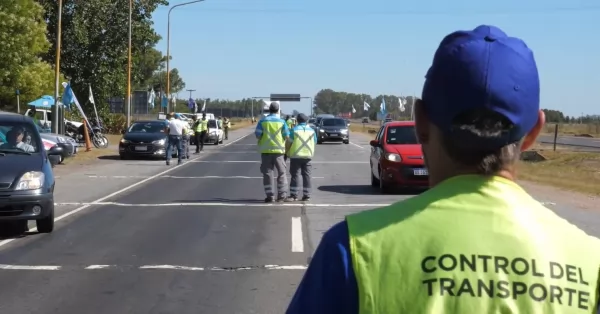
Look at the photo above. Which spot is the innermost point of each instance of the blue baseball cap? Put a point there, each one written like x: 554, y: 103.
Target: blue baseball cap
x: 483, y: 68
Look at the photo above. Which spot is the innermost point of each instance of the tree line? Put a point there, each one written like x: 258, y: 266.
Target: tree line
x: 94, y: 50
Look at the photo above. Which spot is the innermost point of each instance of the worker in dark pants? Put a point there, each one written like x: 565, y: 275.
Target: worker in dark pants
x: 200, y: 128
x: 301, y: 149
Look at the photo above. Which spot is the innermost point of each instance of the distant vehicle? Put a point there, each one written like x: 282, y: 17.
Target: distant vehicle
x: 365, y: 120
x: 312, y: 123
x: 333, y: 130
x: 397, y: 158
x: 265, y: 111
x: 26, y: 179
x: 68, y: 144
x: 388, y: 119
x: 215, y: 134
x: 144, y: 139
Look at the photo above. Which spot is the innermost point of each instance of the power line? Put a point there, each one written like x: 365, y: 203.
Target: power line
x: 404, y: 12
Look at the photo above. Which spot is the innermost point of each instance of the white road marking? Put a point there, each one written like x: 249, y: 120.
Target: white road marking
x: 179, y: 177
x: 297, y: 238
x: 208, y: 204
x: 99, y: 266
x: 258, y: 161
x: 171, y: 267
x: 125, y: 189
x: 357, y: 145
x: 27, y: 267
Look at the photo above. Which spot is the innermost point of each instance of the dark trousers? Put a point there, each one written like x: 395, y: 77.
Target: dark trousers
x: 226, y: 131
x: 300, y: 167
x: 200, y: 136
x: 174, y: 140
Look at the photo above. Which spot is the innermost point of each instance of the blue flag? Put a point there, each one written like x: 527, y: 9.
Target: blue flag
x: 165, y: 101
x: 68, y: 96
x: 191, y: 103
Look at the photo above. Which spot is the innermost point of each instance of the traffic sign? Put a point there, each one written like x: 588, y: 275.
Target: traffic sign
x: 285, y: 97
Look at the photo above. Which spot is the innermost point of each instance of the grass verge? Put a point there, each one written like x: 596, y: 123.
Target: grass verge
x: 579, y: 130
x: 564, y: 168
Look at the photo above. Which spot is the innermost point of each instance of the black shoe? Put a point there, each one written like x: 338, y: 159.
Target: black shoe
x: 269, y: 199
x: 306, y: 198
x: 168, y: 163
x: 291, y: 199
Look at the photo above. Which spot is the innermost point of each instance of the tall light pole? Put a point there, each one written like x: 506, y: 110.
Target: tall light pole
x: 55, y: 127
x: 169, y: 44
x: 190, y: 90
x: 129, y: 48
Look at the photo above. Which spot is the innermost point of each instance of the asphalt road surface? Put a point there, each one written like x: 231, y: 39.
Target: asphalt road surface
x: 571, y: 141
x: 141, y: 237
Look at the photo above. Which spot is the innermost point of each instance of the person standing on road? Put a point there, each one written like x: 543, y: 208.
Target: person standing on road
x: 226, y: 126
x: 188, y: 133
x: 301, y: 151
x: 272, y: 133
x: 176, y: 129
x: 200, y: 128
x: 476, y: 242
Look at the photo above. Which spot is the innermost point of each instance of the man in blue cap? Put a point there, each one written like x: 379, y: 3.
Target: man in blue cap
x: 476, y: 242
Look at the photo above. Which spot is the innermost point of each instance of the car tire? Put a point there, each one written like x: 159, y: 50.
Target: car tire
x: 319, y: 142
x: 46, y: 225
x: 383, y: 188
x: 347, y: 142
x: 217, y: 141
x: 123, y: 156
x: 374, y: 181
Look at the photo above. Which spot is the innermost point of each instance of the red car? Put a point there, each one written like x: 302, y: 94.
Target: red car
x: 397, y: 158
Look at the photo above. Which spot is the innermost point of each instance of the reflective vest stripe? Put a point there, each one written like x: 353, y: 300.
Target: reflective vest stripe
x: 272, y: 141
x: 303, y: 145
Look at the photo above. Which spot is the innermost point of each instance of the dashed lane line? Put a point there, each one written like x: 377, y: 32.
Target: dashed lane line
x: 148, y: 267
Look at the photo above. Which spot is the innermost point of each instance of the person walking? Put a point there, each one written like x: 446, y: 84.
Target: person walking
x: 200, y: 128
x: 272, y: 133
x: 301, y: 150
x: 476, y: 241
x: 176, y: 129
x: 226, y: 126
x: 188, y: 133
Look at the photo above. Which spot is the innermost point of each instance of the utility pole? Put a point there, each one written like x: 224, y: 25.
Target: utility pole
x: 55, y: 127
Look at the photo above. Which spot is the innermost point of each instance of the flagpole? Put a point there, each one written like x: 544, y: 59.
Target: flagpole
x: 129, y: 67
x: 55, y: 127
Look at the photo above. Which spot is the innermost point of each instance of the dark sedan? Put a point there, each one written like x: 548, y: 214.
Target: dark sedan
x: 333, y: 130
x: 144, y: 139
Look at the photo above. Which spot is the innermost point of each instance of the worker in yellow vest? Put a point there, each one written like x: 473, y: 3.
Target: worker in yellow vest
x: 226, y: 127
x: 272, y: 133
x: 476, y: 242
x: 301, y: 151
x: 200, y: 129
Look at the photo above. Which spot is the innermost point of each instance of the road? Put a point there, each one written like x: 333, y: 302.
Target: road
x: 140, y: 237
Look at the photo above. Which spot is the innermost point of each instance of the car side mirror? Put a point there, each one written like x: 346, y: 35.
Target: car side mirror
x: 374, y: 143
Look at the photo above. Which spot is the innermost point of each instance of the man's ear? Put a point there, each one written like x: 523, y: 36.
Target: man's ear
x: 421, y: 122
x: 533, y: 134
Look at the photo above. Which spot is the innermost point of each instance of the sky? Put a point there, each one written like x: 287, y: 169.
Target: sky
x: 233, y: 49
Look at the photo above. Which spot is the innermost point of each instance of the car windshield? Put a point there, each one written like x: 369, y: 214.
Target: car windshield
x: 149, y: 127
x: 212, y: 124
x: 401, y: 135
x: 18, y: 138
x: 334, y: 122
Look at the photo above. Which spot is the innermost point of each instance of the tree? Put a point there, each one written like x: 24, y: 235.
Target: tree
x: 23, y: 40
x: 95, y: 44
x: 330, y: 101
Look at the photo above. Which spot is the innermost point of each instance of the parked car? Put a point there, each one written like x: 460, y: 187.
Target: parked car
x: 333, y: 130
x: 144, y: 139
x: 26, y: 179
x: 68, y: 144
x: 397, y: 158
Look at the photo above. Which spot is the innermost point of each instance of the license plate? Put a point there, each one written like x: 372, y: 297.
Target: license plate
x: 141, y: 148
x: 333, y: 134
x: 421, y: 172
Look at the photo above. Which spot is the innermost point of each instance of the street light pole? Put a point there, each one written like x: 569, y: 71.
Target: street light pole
x: 57, y: 67
x: 129, y: 67
x: 190, y: 90
x: 169, y: 44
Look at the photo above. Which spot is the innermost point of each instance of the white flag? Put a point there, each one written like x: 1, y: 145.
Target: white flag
x: 151, y: 98
x: 195, y: 107
x: 91, y: 98
x: 353, y: 110
x: 401, y: 102
x: 366, y: 106
x: 204, y: 106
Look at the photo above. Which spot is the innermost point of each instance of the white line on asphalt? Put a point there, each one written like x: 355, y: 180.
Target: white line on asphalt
x: 179, y: 177
x: 357, y: 145
x: 297, y: 239
x: 125, y: 189
x: 26, y: 267
x: 158, y: 267
x: 208, y: 204
x: 258, y: 161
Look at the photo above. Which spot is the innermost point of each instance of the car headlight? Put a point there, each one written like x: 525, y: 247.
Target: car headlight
x: 393, y: 157
x: 321, y: 130
x: 124, y: 141
x: 344, y: 131
x: 60, y: 140
x: 159, y: 142
x: 31, y: 180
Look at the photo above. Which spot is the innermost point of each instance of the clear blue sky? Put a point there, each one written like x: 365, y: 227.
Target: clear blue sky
x: 243, y: 48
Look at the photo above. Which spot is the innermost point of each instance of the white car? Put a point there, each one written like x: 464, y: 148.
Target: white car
x: 215, y: 134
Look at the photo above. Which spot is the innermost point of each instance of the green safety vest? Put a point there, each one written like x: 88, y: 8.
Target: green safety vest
x: 303, y: 145
x: 472, y: 244
x: 272, y: 141
x: 202, y: 125
x: 290, y: 123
